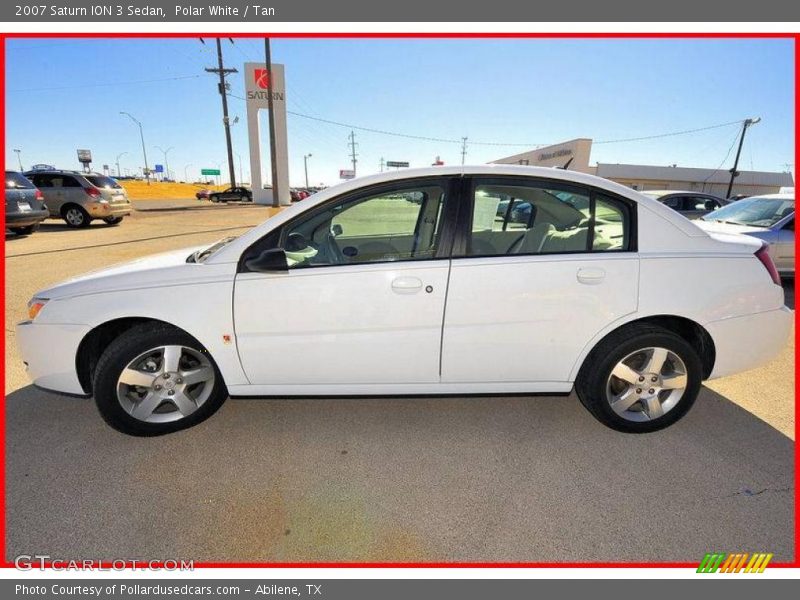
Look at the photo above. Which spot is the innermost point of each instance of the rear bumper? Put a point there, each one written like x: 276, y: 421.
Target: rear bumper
x: 744, y: 343
x: 24, y: 219
x: 99, y: 210
x: 49, y: 353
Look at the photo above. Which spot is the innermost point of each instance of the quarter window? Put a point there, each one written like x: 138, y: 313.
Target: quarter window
x: 529, y: 219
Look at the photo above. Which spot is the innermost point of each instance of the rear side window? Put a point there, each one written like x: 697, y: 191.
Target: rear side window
x: 16, y: 181
x: 675, y: 203
x: 514, y: 218
x: 68, y: 181
x: 101, y: 181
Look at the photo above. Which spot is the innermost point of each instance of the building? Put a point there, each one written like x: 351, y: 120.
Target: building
x: 575, y: 155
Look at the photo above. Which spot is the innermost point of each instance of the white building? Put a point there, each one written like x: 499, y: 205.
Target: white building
x: 576, y: 154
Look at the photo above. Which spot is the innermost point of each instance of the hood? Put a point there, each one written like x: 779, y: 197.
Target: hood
x: 149, y: 271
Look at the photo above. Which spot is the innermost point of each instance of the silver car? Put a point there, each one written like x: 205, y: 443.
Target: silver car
x: 78, y: 197
x: 769, y: 218
x: 691, y: 205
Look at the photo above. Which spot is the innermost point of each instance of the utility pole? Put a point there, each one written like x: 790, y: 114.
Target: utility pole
x: 241, y: 177
x: 463, y: 149
x: 144, y: 149
x: 734, y: 172
x: 383, y: 163
x: 305, y: 164
x: 19, y: 158
x: 166, y: 161
x: 273, y: 158
x: 352, y: 138
x: 222, y: 72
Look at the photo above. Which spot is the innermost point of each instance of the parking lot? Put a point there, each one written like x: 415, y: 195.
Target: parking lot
x: 511, y: 479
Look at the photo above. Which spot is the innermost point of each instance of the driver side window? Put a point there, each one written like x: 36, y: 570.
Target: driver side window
x: 391, y: 225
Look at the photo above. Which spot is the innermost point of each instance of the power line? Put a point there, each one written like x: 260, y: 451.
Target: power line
x: 114, y: 84
x: 670, y: 134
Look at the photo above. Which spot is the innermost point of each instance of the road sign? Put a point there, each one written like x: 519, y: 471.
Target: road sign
x: 396, y: 163
x: 159, y: 168
x: 84, y: 156
x: 209, y: 171
x: 346, y: 173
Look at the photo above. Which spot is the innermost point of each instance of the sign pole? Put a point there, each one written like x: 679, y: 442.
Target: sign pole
x: 273, y: 158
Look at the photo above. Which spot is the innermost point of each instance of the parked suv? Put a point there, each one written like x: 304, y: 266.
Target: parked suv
x: 25, y: 208
x: 78, y: 198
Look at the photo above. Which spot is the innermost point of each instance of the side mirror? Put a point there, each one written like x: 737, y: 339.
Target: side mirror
x: 268, y: 261
x: 337, y: 230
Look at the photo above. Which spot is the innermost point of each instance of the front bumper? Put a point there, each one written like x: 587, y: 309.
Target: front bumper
x: 100, y: 210
x: 747, y: 342
x: 25, y: 219
x: 49, y: 352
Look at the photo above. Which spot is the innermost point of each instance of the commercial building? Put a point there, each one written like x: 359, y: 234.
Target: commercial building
x: 575, y: 155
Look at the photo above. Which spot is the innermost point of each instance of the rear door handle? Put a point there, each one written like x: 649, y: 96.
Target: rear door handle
x: 591, y: 276
x: 406, y: 285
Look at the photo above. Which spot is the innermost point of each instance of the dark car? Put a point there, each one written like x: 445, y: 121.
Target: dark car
x: 241, y: 194
x: 25, y: 207
x: 691, y: 205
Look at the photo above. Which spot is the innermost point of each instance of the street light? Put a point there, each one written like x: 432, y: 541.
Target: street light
x: 19, y: 159
x: 305, y: 164
x: 166, y: 162
x: 745, y: 124
x: 186, y: 172
x: 120, y: 155
x: 144, y: 151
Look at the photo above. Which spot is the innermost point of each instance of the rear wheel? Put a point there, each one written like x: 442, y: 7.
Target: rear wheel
x: 155, y: 379
x: 112, y: 220
x: 640, y: 379
x: 75, y: 216
x: 27, y: 230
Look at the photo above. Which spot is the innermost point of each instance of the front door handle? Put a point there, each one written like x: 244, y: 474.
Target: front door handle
x: 591, y: 276
x: 406, y: 285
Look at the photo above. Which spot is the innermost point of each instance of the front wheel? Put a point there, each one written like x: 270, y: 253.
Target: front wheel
x: 155, y: 379
x: 640, y: 379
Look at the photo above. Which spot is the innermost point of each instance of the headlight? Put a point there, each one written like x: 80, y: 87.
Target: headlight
x: 35, y: 306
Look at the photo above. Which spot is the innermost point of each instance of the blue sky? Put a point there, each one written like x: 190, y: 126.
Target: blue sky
x: 67, y: 94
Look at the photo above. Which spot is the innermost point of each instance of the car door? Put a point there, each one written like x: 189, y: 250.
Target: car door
x: 52, y: 197
x: 525, y: 299
x: 363, y: 300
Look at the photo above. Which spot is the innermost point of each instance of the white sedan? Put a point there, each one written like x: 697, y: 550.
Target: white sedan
x: 414, y: 282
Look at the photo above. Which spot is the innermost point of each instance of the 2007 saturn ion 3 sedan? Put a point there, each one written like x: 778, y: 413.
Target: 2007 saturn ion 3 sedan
x: 422, y: 282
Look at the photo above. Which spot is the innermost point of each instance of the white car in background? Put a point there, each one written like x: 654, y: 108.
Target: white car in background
x: 410, y: 282
x: 769, y: 218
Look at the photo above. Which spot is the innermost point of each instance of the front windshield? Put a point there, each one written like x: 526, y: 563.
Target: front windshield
x: 756, y: 212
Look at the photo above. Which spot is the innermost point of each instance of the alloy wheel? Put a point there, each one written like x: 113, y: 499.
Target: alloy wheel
x: 646, y: 384
x: 165, y: 384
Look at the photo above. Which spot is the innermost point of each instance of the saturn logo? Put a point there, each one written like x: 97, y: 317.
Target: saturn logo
x: 261, y: 77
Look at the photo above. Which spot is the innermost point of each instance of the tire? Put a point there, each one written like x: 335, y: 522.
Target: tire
x: 75, y: 216
x: 147, y: 409
x: 113, y: 220
x: 640, y: 348
x: 27, y: 230
x: 213, y: 198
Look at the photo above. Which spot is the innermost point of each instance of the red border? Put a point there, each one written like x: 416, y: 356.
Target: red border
x: 394, y: 35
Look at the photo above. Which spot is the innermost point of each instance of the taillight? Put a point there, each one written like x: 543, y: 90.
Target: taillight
x: 93, y: 192
x: 766, y: 260
x: 39, y: 195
